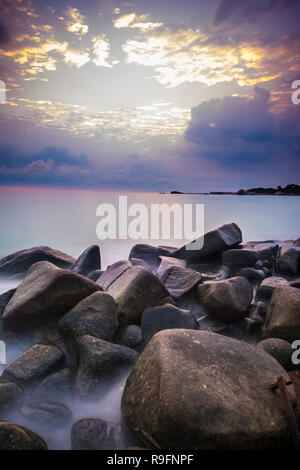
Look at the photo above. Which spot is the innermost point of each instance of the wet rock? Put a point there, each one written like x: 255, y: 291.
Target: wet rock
x: 134, y: 290
x: 252, y: 274
x: 166, y: 317
x: 267, y: 286
x: 226, y: 300
x: 47, y: 414
x: 287, y: 263
x: 186, y: 391
x: 238, y: 259
x: 283, y: 316
x: 88, y: 261
x: 36, y: 362
x: 130, y: 336
x: 149, y: 254
x: 280, y: 349
x: 57, y: 386
x: 99, y: 360
x: 95, y: 434
x: 222, y: 238
x: 46, y: 294
x: 112, y: 273
x: 179, y: 280
x: 168, y: 262
x: 21, y: 261
x: 10, y: 393
x: 95, y: 315
x: 14, y: 437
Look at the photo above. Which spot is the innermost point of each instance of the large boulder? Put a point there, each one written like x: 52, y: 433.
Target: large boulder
x: 168, y: 262
x: 283, y: 315
x: 200, y: 390
x: 56, y: 386
x: 179, y: 280
x: 222, y: 238
x: 226, y: 300
x: 112, y: 273
x: 46, y: 294
x: 4, y: 299
x: 34, y: 363
x: 10, y: 393
x: 21, y: 261
x: 88, y: 261
x: 134, y: 290
x: 149, y: 254
x: 95, y: 315
x: 238, y: 259
x: 280, y: 349
x: 95, y: 434
x: 14, y: 437
x: 287, y: 263
x: 130, y: 335
x: 267, y: 286
x: 99, y: 360
x: 165, y: 317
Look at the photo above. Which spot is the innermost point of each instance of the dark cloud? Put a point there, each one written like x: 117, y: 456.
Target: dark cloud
x: 5, y: 35
x: 237, y: 10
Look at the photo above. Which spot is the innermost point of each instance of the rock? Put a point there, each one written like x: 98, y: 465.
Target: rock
x: 203, y: 391
x: 252, y: 274
x: 48, y: 414
x: 267, y: 286
x: 142, y: 263
x: 21, y: 261
x: 95, y: 434
x: 34, y: 363
x: 283, y: 315
x: 238, y: 259
x: 179, y: 280
x: 258, y: 311
x: 149, y: 254
x: 46, y: 294
x: 95, y: 275
x: 280, y: 349
x: 112, y: 273
x: 57, y: 386
x: 95, y: 315
x: 168, y: 262
x: 226, y: 300
x: 4, y: 299
x: 10, y: 392
x: 296, y: 242
x: 133, y: 291
x: 88, y: 261
x: 295, y: 283
x: 130, y: 336
x: 222, y: 238
x: 14, y: 437
x: 166, y: 317
x: 287, y: 263
x: 99, y: 360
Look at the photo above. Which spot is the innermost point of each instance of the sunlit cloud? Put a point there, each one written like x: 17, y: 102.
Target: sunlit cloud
x: 76, y: 23
x: 131, y: 20
x: 76, y: 58
x: 101, y: 51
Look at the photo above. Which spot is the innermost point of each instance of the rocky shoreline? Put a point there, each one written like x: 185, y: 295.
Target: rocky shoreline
x: 202, y: 334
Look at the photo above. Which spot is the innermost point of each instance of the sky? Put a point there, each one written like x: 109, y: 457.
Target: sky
x: 190, y: 95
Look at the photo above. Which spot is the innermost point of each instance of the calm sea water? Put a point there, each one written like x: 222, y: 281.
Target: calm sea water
x: 66, y: 219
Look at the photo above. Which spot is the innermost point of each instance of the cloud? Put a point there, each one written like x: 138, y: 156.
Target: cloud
x: 233, y: 11
x: 101, y: 51
x: 132, y: 21
x: 76, y: 23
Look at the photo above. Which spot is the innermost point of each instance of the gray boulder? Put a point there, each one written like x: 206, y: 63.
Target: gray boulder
x: 99, y: 360
x: 95, y: 434
x: 130, y: 336
x: 112, y: 273
x: 149, y: 254
x: 21, y: 261
x: 287, y: 263
x: 88, y: 261
x: 14, y: 437
x: 166, y: 317
x: 179, y: 280
x: 10, y: 393
x: 95, y: 315
x: 283, y: 315
x: 48, y: 414
x: 267, y: 286
x: 227, y: 236
x: 134, y: 290
x: 36, y: 362
x: 46, y: 294
x: 95, y: 275
x: 280, y: 349
x: 4, y: 299
x: 57, y: 386
x: 226, y: 300
x: 168, y: 262
x: 252, y: 274
x: 238, y: 259
x: 203, y: 391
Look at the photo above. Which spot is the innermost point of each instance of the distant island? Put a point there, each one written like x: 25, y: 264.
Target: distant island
x: 288, y: 190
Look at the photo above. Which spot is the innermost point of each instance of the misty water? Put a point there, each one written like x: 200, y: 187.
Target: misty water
x: 66, y: 220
